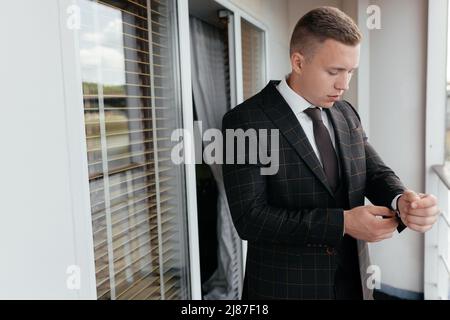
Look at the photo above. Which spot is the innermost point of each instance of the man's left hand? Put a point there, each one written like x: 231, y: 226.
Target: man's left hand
x: 418, y: 211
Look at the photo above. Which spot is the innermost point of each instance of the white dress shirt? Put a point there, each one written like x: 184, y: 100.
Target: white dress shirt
x: 298, y: 104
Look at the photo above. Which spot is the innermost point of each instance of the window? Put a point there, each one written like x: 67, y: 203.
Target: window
x: 447, y: 118
x: 253, y: 59
x: 128, y: 53
x: 437, y: 244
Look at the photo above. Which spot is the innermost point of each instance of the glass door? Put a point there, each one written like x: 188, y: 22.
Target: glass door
x: 129, y: 61
x: 253, y: 59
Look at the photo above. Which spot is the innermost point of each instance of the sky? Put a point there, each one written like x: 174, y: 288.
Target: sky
x: 101, y: 44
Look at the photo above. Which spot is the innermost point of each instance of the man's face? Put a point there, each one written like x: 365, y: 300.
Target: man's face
x: 325, y: 76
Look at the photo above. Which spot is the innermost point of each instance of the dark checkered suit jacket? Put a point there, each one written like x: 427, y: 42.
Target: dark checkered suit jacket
x: 290, y: 219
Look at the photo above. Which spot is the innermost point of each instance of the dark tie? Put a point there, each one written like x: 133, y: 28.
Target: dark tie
x: 325, y: 146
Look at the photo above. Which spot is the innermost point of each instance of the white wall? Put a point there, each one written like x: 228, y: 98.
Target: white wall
x: 397, y: 117
x: 38, y: 234
x: 274, y: 14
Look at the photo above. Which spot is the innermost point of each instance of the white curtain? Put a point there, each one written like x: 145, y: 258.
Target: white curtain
x: 209, y: 85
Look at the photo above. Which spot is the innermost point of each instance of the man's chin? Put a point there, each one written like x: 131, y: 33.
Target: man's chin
x: 328, y: 105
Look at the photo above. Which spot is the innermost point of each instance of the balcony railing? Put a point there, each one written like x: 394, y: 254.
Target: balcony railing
x: 437, y: 267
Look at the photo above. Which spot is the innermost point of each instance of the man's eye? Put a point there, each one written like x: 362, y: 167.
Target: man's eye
x: 332, y: 73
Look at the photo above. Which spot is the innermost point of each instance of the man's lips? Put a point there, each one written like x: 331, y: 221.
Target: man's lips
x: 334, y: 97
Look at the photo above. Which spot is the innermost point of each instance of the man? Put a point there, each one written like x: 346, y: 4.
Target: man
x: 307, y: 226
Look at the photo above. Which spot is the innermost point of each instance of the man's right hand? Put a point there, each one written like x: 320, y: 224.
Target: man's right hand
x: 365, y: 223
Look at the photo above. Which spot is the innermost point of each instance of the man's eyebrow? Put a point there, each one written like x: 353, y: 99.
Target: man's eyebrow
x: 343, y: 69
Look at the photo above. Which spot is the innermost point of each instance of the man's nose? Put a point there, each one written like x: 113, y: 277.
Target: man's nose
x: 343, y: 83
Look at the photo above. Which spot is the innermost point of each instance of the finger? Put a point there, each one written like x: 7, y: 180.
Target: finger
x: 421, y: 221
x: 428, y: 212
x: 383, y: 237
x: 388, y: 225
x: 410, y: 196
x: 380, y: 211
x: 403, y: 216
x: 426, y: 201
x: 422, y: 195
x: 418, y: 228
x: 388, y: 235
x: 374, y: 240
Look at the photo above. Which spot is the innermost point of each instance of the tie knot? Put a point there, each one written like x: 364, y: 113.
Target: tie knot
x: 314, y: 114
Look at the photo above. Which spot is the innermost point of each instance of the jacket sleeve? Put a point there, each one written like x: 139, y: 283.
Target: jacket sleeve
x: 257, y: 220
x: 382, y: 184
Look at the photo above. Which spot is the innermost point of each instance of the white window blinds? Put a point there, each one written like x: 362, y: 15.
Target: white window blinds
x: 128, y: 53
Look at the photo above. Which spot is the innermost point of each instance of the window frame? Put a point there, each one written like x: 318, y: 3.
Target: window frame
x: 76, y: 136
x: 435, y: 281
x: 78, y: 180
x: 188, y: 118
x: 239, y: 14
x: 77, y: 149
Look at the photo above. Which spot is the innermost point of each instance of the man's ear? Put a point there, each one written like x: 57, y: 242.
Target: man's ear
x: 297, y: 62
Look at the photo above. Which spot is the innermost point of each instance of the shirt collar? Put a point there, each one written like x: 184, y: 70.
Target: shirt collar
x: 297, y: 103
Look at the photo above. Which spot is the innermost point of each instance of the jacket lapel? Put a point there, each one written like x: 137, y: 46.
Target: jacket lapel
x: 342, y: 134
x: 281, y: 114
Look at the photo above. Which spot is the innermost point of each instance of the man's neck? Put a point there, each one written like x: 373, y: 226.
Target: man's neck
x: 295, y: 86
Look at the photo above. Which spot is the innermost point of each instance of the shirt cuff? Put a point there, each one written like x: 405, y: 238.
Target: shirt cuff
x: 394, y: 202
